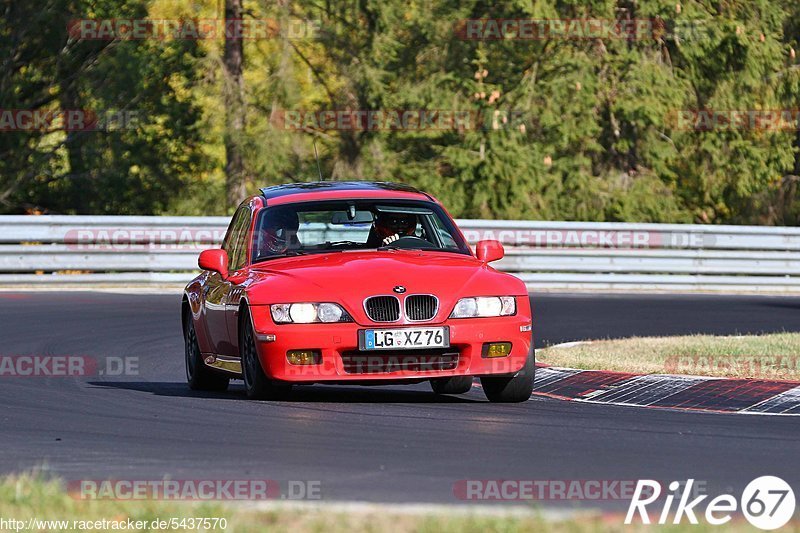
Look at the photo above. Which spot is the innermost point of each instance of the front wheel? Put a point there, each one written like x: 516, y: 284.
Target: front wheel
x: 257, y: 385
x: 198, y: 375
x: 517, y: 388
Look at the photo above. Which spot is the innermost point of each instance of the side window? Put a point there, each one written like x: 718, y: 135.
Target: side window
x: 240, y: 246
x: 230, y: 236
x: 236, y: 241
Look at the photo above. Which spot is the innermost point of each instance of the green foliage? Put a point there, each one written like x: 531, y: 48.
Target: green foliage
x: 571, y: 129
x: 146, y: 148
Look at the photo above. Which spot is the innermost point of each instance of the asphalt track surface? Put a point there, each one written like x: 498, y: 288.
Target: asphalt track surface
x: 382, y: 444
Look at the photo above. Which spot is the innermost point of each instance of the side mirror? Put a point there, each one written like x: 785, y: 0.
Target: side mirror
x: 214, y: 261
x: 488, y: 251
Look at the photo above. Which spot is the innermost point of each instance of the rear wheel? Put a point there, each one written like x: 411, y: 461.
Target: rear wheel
x: 198, y: 375
x: 517, y: 388
x: 256, y: 383
x: 452, y: 385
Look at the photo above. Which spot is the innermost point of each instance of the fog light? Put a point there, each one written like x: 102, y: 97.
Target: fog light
x: 496, y: 349
x: 303, y: 357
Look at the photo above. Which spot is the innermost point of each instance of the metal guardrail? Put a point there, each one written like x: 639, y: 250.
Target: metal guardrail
x: 76, y: 250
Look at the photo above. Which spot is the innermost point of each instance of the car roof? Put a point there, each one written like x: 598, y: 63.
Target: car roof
x: 296, y: 192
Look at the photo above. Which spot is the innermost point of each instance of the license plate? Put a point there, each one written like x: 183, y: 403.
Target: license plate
x: 395, y: 339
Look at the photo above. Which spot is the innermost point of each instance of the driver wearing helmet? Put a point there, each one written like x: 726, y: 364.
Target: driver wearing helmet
x: 390, y: 227
x: 279, y: 232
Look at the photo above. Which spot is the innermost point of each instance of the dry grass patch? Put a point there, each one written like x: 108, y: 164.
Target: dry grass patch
x: 775, y: 356
x: 24, y: 497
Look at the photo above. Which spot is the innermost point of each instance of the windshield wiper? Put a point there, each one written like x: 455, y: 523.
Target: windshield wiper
x: 290, y: 253
x: 295, y: 253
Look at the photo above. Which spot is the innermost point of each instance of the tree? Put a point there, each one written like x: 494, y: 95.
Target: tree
x: 234, y: 96
x: 561, y: 127
x: 136, y: 164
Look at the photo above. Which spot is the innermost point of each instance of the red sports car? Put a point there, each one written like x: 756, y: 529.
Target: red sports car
x: 355, y: 282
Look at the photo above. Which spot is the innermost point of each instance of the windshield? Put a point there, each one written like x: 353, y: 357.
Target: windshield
x: 320, y: 227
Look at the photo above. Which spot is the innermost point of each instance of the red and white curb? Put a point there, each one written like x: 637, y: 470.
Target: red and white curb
x: 696, y: 393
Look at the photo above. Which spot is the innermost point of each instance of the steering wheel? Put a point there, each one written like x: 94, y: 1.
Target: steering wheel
x: 410, y: 242
x: 337, y: 244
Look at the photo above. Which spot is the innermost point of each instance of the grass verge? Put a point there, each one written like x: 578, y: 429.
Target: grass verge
x: 28, y: 497
x: 775, y: 356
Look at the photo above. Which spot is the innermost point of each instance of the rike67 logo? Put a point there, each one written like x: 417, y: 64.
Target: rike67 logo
x: 767, y: 503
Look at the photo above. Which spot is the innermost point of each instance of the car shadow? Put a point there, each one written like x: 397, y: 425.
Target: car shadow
x: 782, y: 304
x: 302, y: 393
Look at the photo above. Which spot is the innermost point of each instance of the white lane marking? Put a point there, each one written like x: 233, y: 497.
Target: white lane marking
x: 690, y: 409
x: 645, y: 390
x: 779, y: 404
x: 593, y: 394
x: 547, y: 375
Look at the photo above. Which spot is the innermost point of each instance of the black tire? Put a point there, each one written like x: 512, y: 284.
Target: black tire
x: 198, y: 375
x: 452, y: 385
x: 511, y: 389
x: 257, y: 385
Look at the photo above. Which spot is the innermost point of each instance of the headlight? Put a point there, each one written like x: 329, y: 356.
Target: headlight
x: 485, y: 306
x: 307, y: 313
x: 303, y: 313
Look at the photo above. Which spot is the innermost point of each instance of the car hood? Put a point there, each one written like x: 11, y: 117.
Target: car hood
x: 349, y: 277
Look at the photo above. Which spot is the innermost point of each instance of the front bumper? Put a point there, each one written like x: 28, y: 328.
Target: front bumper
x: 338, y: 345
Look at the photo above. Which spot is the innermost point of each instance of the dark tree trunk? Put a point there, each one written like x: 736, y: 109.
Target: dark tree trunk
x: 235, y: 178
x: 70, y: 102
